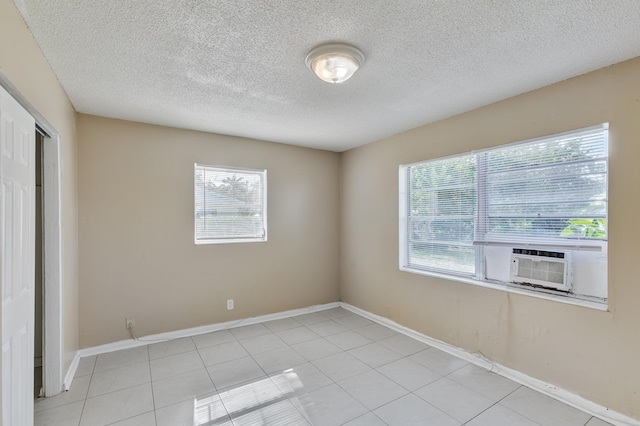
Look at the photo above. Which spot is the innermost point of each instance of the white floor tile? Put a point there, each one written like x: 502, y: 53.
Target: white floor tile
x: 175, y: 364
x: 315, y: 349
x: 85, y: 366
x: 78, y: 392
x: 439, y: 361
x: 281, y: 413
x: 326, y: 328
x: 297, y: 335
x: 484, y: 382
x: 330, y: 405
x: 411, y: 410
x: 376, y: 332
x: 348, y: 340
x: 340, y: 366
x: 146, y: 419
x: 262, y: 402
x: 404, y: 345
x: 182, y: 387
x: 352, y: 321
x: 66, y: 415
x: 544, y: 410
x: 236, y: 372
x: 409, y: 374
x: 116, y: 406
x: 208, y: 410
x: 119, y: 378
x: 121, y: 358
x: 172, y: 347
x: 312, y: 318
x: 372, y: 389
x: 215, y: 338
x: 375, y: 354
x: 310, y: 378
x: 368, y: 419
x: 597, y: 422
x: 223, y: 352
x: 252, y: 395
x: 453, y: 399
x: 335, y: 313
x: 278, y: 360
x: 281, y: 324
x: 258, y: 344
x: 288, y: 384
x: 499, y: 415
x: 247, y: 331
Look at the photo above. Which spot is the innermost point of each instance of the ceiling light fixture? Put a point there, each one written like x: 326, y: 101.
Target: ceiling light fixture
x: 335, y: 62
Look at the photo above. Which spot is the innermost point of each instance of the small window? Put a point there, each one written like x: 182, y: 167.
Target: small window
x: 485, y: 214
x: 230, y: 205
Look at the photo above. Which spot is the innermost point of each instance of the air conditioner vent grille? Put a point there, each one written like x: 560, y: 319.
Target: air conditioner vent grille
x: 540, y: 253
x: 542, y: 270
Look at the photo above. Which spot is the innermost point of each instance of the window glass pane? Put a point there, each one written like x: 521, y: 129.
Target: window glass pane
x: 443, y: 257
x: 229, y: 204
x: 554, y: 188
x: 442, y: 229
x: 578, y: 147
x: 441, y: 210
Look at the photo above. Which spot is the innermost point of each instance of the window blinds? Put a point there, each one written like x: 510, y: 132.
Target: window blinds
x: 546, y: 190
x: 230, y: 204
x: 441, y: 214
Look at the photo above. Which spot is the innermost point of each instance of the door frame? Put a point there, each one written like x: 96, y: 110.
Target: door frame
x: 53, y: 347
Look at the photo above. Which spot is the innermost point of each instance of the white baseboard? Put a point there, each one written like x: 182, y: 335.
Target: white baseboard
x: 163, y: 337
x: 550, y: 390
x: 71, y: 372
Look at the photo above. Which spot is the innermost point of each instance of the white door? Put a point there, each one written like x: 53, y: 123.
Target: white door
x: 17, y: 258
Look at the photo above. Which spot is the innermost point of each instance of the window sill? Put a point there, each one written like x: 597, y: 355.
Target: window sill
x: 511, y: 288
x: 231, y: 241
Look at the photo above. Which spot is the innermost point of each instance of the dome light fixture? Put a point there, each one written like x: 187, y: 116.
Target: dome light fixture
x: 335, y: 62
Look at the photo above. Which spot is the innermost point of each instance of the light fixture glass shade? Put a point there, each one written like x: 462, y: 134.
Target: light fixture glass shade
x: 336, y: 62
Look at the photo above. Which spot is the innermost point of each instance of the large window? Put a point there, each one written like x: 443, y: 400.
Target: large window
x: 485, y: 214
x: 230, y: 205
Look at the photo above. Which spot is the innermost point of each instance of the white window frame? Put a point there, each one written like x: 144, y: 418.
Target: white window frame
x: 479, y: 277
x: 226, y: 169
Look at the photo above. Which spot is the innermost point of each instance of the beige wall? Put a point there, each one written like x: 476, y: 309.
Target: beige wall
x: 591, y: 353
x: 329, y: 213
x: 137, y: 254
x: 25, y: 66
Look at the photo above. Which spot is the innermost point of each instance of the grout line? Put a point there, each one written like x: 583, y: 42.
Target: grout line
x: 215, y: 388
x: 153, y: 396
x: 494, y: 404
x: 386, y: 403
x: 84, y: 402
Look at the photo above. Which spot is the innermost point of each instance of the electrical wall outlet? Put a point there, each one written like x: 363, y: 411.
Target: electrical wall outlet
x: 129, y: 323
x: 229, y: 304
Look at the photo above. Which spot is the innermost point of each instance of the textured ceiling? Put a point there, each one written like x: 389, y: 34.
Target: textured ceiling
x: 238, y: 68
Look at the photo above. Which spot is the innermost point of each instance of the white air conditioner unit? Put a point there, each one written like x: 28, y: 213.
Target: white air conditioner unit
x: 548, y: 269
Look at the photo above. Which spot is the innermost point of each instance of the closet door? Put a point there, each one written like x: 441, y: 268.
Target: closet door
x: 17, y: 259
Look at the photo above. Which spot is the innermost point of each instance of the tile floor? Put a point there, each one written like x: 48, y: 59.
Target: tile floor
x: 326, y: 368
